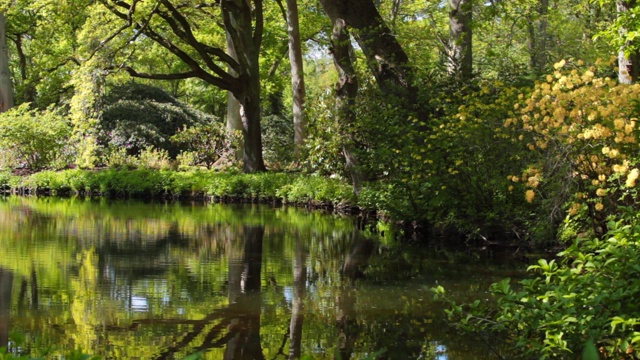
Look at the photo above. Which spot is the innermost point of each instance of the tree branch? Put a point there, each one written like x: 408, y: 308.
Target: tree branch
x: 174, y: 76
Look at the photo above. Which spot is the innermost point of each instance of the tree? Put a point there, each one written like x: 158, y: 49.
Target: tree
x: 346, y: 92
x: 297, y: 73
x: 538, y: 36
x: 6, y: 86
x: 176, y: 27
x: 628, y: 56
x: 386, y: 58
x: 460, y: 56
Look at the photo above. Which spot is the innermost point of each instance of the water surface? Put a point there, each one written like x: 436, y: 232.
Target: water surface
x: 131, y: 280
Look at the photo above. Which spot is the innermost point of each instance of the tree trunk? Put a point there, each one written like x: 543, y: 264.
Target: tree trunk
x: 6, y: 86
x: 538, y: 38
x: 385, y: 56
x: 246, y: 43
x: 346, y: 92
x: 297, y: 74
x: 234, y: 120
x: 628, y: 68
x: 460, y: 57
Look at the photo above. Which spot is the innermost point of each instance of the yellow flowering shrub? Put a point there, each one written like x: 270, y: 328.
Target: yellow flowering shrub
x: 584, y: 132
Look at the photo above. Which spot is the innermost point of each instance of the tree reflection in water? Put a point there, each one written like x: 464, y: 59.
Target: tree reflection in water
x: 6, y: 285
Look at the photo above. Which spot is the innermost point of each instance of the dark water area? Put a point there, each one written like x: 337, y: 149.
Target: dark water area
x: 131, y: 280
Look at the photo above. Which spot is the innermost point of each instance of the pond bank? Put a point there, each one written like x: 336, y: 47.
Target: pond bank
x: 309, y: 191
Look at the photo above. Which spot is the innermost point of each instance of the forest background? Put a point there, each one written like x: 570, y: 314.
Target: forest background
x: 500, y: 121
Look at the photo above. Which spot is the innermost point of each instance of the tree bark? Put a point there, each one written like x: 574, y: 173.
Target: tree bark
x: 246, y: 42
x: 628, y: 61
x: 234, y: 120
x: 346, y: 92
x: 385, y: 56
x: 297, y: 74
x: 460, y: 57
x: 538, y: 37
x: 6, y: 86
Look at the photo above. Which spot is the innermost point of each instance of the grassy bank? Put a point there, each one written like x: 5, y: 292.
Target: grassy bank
x: 208, y: 185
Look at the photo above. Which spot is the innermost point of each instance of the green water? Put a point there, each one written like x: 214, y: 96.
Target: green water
x: 129, y: 280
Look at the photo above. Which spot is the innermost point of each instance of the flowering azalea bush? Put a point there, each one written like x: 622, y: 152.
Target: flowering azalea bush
x: 583, y: 131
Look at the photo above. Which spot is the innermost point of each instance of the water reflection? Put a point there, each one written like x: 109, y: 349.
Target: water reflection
x: 6, y: 286
x: 131, y: 280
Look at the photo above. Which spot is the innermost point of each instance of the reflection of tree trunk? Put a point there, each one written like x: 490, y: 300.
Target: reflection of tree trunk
x: 235, y: 252
x: 297, y: 309
x: 244, y: 337
x: 6, y: 285
x: 357, y: 259
x: 346, y: 322
x: 252, y: 258
x: 34, y: 289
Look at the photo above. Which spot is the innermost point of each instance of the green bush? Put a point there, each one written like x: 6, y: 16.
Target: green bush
x: 277, y: 140
x: 202, y: 144
x: 137, y: 116
x: 34, y: 139
x: 587, y: 293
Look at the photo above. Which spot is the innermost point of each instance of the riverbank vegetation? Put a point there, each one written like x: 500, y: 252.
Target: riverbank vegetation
x: 519, y: 127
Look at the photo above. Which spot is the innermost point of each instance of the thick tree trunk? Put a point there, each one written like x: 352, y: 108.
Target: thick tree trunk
x: 250, y: 113
x: 297, y: 74
x: 538, y: 38
x: 628, y: 62
x: 385, y: 56
x: 6, y: 86
x: 246, y: 43
x: 346, y: 92
x: 460, y: 57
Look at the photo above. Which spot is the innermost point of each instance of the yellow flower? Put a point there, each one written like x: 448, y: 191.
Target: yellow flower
x: 574, y: 209
x: 632, y: 177
x: 559, y: 64
x: 529, y: 195
x: 599, y: 207
x: 601, y: 192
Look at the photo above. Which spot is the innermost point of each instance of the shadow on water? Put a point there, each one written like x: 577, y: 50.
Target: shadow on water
x: 162, y: 281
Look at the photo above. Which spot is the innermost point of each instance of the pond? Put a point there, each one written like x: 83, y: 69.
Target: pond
x: 132, y: 280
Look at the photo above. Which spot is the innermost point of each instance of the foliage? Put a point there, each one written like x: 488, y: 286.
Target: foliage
x: 202, y: 144
x: 581, y: 131
x: 146, y: 182
x: 137, y: 116
x: 583, y: 294
x: 34, y: 139
x: 277, y: 140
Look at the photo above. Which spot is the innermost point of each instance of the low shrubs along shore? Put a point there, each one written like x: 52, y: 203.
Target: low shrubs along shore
x: 149, y: 183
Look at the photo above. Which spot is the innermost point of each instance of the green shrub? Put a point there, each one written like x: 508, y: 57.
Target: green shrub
x: 277, y: 140
x: 202, y: 144
x: 138, y: 116
x: 587, y: 293
x: 34, y: 139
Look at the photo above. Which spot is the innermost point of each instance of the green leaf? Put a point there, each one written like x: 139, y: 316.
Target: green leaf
x: 589, y: 351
